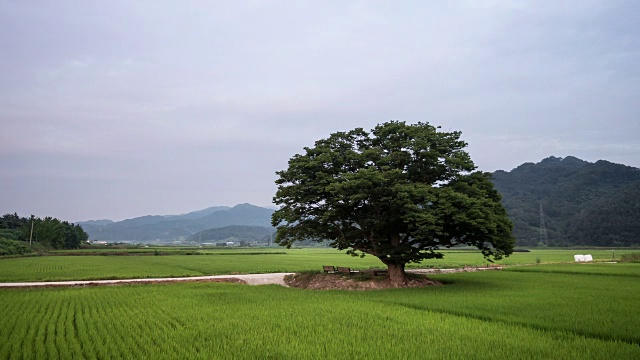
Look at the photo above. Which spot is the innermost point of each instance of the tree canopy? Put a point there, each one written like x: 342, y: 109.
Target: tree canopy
x: 49, y: 231
x: 400, y: 192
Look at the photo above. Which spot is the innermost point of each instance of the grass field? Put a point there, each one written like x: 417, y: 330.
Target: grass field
x: 226, y: 261
x: 572, y: 311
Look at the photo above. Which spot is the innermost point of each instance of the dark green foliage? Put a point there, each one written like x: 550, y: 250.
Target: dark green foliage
x: 596, y: 204
x: 12, y: 247
x: 399, y: 193
x: 49, y: 231
x: 612, y: 220
x: 11, y: 221
x: 11, y: 226
x: 10, y: 234
x: 55, y: 233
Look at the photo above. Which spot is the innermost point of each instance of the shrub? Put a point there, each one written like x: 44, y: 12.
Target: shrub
x: 13, y: 247
x: 9, y: 234
x: 632, y: 258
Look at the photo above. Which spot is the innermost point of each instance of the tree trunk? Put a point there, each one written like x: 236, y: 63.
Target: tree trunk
x: 397, y: 276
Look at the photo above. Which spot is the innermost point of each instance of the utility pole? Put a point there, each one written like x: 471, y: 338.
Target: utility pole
x: 31, y: 234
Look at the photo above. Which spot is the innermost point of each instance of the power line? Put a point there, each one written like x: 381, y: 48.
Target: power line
x: 544, y: 237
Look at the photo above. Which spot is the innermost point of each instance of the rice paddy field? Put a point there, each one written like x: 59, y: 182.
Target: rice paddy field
x: 545, y: 311
x: 246, y: 261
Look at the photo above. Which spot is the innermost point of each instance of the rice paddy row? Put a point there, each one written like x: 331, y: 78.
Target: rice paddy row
x: 557, y: 311
x: 57, y: 268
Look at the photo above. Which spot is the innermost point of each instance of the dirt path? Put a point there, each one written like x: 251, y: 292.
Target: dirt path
x: 456, y: 270
x: 251, y: 279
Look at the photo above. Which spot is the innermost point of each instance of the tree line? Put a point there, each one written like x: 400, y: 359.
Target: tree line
x: 48, y: 231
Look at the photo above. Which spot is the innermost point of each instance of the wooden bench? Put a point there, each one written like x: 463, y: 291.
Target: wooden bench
x: 329, y: 269
x: 379, y: 272
x: 375, y: 272
x: 347, y: 271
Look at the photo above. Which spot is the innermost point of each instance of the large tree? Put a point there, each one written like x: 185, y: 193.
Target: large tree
x: 400, y: 192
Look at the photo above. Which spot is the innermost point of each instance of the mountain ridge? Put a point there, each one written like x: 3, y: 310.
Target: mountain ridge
x: 234, y: 233
x: 190, y: 215
x: 163, y: 228
x: 583, y: 203
x: 572, y: 194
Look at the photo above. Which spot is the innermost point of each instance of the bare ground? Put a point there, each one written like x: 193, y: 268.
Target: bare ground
x: 307, y: 280
x: 250, y: 279
x: 319, y: 281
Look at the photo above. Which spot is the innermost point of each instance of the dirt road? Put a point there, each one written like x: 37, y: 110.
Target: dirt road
x: 251, y: 279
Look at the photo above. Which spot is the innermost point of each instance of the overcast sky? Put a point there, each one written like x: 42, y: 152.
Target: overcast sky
x: 117, y: 109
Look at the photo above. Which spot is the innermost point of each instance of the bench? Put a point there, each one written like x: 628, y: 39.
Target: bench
x: 347, y: 271
x: 379, y: 272
x: 375, y: 272
x: 329, y: 269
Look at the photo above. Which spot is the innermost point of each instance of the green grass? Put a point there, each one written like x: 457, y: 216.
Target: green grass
x: 456, y: 258
x: 52, y: 268
x: 555, y: 314
x: 591, y: 305
x: 617, y: 269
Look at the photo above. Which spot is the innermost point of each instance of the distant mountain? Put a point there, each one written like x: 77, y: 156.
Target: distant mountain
x: 243, y: 214
x: 199, y: 213
x: 153, y: 219
x: 95, y: 222
x: 235, y: 233
x: 583, y: 203
x: 178, y: 227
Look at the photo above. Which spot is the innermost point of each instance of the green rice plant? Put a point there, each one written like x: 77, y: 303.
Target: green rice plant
x: 54, y: 268
x: 563, y: 313
x: 612, y: 269
x: 592, y: 305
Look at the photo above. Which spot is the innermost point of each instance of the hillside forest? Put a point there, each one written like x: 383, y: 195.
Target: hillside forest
x: 581, y: 203
x: 49, y: 232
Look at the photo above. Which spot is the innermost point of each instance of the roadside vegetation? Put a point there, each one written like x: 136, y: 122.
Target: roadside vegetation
x: 15, y: 248
x: 632, y: 257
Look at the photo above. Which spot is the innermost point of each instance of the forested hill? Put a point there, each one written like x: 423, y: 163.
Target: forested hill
x: 583, y: 203
x: 47, y: 231
x: 168, y: 228
x: 236, y: 233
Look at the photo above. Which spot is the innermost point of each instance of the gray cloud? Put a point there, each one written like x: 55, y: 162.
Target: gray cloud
x: 119, y: 109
